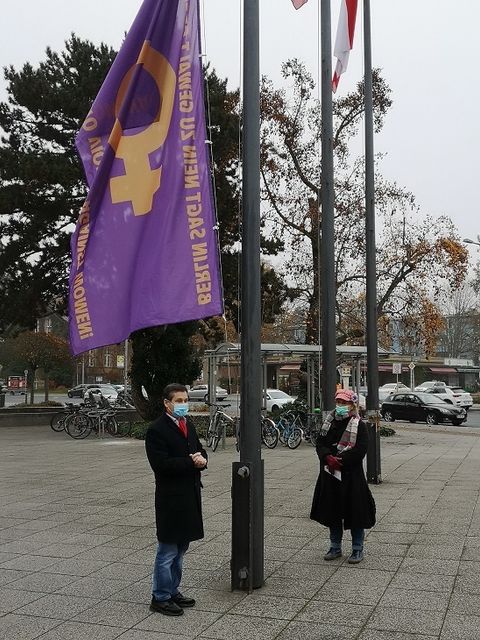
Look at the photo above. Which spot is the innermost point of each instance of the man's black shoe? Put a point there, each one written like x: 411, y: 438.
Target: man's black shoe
x: 183, y: 601
x: 167, y: 607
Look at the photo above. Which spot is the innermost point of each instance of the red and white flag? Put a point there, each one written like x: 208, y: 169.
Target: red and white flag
x: 299, y: 3
x: 344, y: 39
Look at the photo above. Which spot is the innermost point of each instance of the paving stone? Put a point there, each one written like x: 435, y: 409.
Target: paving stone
x: 464, y: 603
x: 42, y: 582
x: 406, y: 620
x: 119, y: 614
x: 137, y: 634
x: 376, y: 634
x: 325, y: 612
x: 56, y: 605
x: 410, y: 599
x: 17, y: 627
x: 276, y: 607
x: 229, y: 626
x: 10, y: 575
x: 12, y: 599
x: 123, y: 571
x: 29, y: 563
x: 439, y: 567
x: 75, y: 567
x: 419, y: 582
x: 91, y: 587
x: 460, y: 627
x: 317, y: 631
x: 82, y: 631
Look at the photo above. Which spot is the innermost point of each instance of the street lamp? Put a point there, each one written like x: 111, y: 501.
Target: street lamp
x: 469, y: 241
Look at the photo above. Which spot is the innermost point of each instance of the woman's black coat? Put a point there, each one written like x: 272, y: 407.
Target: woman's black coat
x: 178, y: 506
x: 349, y: 499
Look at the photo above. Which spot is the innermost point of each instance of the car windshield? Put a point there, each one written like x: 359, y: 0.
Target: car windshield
x: 430, y: 398
x: 278, y: 394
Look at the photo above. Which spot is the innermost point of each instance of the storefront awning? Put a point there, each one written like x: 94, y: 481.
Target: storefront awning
x: 288, y: 368
x: 388, y: 367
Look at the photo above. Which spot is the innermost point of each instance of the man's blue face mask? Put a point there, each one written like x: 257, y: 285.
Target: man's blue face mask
x: 180, y: 410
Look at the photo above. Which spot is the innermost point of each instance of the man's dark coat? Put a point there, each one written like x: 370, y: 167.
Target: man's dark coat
x: 349, y: 499
x: 178, y: 506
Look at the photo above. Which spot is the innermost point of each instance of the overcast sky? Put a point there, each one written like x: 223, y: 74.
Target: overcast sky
x: 428, y: 50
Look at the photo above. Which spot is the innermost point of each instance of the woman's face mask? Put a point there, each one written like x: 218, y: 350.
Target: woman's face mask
x: 342, y: 410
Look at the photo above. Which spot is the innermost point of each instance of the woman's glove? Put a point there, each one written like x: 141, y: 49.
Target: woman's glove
x: 333, y: 463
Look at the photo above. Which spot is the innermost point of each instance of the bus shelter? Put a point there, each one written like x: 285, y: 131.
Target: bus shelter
x: 349, y: 364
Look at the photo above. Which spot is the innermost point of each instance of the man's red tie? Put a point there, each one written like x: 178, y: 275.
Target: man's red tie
x: 182, y: 424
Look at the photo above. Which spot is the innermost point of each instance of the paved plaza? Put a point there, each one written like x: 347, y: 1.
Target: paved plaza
x: 77, y: 544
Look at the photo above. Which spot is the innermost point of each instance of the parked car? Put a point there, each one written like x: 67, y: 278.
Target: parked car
x: 421, y: 407
x: 462, y: 397
x: 200, y: 392
x: 390, y: 387
x: 276, y: 399
x: 439, y: 389
x: 79, y: 391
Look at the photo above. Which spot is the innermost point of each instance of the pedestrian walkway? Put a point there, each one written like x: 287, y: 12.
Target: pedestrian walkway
x: 77, y: 545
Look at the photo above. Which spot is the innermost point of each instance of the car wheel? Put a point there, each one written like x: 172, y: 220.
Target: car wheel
x: 457, y: 423
x: 205, y: 398
x: 448, y: 401
x: 412, y: 421
x: 431, y: 418
x: 275, y: 408
x: 70, y: 395
x: 388, y: 416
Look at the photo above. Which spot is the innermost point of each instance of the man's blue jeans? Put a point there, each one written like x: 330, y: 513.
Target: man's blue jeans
x: 336, y: 534
x: 167, y: 571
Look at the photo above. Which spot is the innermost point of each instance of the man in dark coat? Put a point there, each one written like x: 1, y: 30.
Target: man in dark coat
x: 342, y: 498
x: 177, y: 458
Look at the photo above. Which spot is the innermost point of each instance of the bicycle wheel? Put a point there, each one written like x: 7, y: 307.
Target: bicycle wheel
x: 295, y: 438
x: 283, y: 427
x: 78, y: 425
x: 211, y: 431
x: 123, y: 428
x: 57, y: 421
x: 270, y: 433
x: 111, y: 425
x: 237, y: 434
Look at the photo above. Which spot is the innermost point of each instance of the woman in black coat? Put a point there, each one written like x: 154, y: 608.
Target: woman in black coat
x: 342, y: 498
x: 177, y: 458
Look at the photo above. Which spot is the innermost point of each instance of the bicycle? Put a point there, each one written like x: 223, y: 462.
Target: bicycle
x: 290, y: 431
x: 100, y: 419
x: 269, y: 433
x: 219, y: 421
x: 57, y: 421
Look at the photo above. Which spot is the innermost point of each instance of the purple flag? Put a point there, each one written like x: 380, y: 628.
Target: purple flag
x: 145, y: 250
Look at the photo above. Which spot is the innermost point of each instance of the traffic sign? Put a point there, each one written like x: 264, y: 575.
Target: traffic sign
x: 411, y: 366
x: 397, y: 368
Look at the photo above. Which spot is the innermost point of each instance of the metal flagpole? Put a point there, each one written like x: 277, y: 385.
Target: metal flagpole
x: 327, y: 245
x: 125, y: 367
x: 373, y: 456
x: 247, y: 566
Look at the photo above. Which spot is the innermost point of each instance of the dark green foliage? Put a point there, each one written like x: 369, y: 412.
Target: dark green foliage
x: 161, y: 355
x: 41, y: 181
x: 387, y: 432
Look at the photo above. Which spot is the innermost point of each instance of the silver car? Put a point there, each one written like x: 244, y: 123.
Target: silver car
x: 200, y: 392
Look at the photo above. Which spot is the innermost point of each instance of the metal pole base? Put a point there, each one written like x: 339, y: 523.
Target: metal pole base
x: 374, y: 468
x: 246, y: 563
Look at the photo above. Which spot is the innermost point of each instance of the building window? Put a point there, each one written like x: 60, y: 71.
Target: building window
x: 48, y: 325
x: 91, y: 358
x: 108, y: 358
